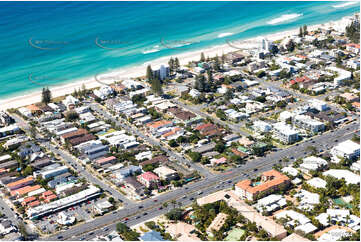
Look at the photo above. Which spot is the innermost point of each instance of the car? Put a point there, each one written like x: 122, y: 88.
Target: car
x: 336, y: 140
x: 137, y: 217
x: 115, y: 212
x: 184, y: 197
x: 155, y: 200
x: 313, y: 142
x: 91, y: 233
x: 255, y: 169
x: 126, y: 219
x: 145, y: 213
x: 89, y: 202
x: 160, y: 208
x: 186, y: 188
x: 292, y: 157
x: 140, y: 207
x: 60, y: 237
x: 200, y: 193
x: 191, y: 198
x: 105, y: 229
x: 229, y: 181
x: 81, y: 239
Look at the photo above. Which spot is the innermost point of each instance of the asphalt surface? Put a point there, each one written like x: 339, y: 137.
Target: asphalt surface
x: 206, y: 186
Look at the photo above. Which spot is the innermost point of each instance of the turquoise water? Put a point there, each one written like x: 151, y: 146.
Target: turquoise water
x: 47, y: 43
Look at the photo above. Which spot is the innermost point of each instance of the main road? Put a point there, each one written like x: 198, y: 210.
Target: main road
x: 150, y: 208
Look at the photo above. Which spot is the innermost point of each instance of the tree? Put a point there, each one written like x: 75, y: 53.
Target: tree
x: 173, y: 143
x: 46, y: 95
x: 305, y: 32
x: 195, y: 156
x: 291, y: 45
x: 200, y: 83
x: 176, y: 63
x: 157, y: 86
x: 71, y: 116
x: 149, y: 73
x: 28, y: 171
x: 203, y: 59
x: 175, y: 214
x: 220, y: 147
x: 300, y: 34
x: 171, y: 65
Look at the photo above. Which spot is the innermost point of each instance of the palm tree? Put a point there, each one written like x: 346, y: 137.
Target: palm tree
x: 174, y: 202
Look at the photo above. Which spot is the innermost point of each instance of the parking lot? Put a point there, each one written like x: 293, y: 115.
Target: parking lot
x: 83, y: 212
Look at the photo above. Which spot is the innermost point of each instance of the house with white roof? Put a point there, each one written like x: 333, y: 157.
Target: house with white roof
x: 270, y: 203
x: 293, y: 218
x: 290, y: 171
x: 317, y: 182
x: 350, y: 177
x: 347, y: 149
x: 313, y: 163
x: 334, y: 235
x: 261, y: 126
x: 307, y: 199
x: 194, y: 93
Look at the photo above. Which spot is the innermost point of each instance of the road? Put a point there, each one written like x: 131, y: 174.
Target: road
x: 206, y: 185
x: 99, y: 109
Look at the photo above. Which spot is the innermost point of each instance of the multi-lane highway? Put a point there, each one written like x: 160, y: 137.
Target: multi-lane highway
x: 149, y: 208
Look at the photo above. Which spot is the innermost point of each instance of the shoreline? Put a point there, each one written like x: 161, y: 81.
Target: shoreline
x: 139, y: 70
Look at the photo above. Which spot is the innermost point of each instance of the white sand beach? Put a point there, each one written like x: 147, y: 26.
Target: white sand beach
x: 139, y: 70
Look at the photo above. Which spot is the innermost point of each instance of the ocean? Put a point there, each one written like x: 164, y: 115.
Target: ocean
x: 51, y: 43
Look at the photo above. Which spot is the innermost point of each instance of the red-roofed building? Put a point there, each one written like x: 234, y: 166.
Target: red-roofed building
x: 20, y: 183
x: 303, y: 81
x: 50, y: 198
x: 270, y: 181
x: 159, y: 124
x: 34, y: 204
x: 149, y: 179
x: 24, y: 190
x: 355, y: 48
x: 28, y: 200
x: 356, y: 105
x: 106, y: 160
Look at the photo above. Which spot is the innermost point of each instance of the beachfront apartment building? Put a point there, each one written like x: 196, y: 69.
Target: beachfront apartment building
x: 285, y: 133
x: 270, y: 181
x: 162, y: 73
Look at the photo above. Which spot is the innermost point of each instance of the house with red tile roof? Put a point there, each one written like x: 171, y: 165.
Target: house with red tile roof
x: 20, y: 183
x: 154, y: 126
x: 28, y: 200
x: 270, y: 181
x: 24, y: 190
x: 303, y: 82
x: 356, y: 105
x: 34, y: 204
x: 149, y: 179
